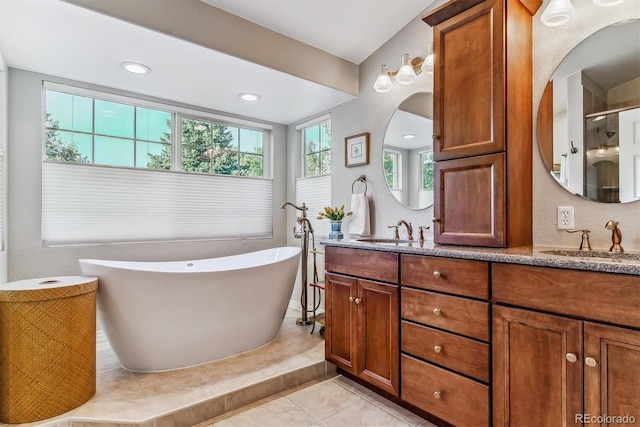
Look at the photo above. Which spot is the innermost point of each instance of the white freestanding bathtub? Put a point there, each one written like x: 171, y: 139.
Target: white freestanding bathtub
x: 160, y: 316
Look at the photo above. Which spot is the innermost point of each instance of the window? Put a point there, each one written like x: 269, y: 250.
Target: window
x: 427, y: 170
x: 392, y: 164
x: 88, y: 129
x: 317, y: 148
x: 119, y: 170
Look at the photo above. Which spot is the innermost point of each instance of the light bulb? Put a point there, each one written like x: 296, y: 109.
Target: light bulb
x: 557, y: 12
x: 383, y: 83
x: 406, y: 75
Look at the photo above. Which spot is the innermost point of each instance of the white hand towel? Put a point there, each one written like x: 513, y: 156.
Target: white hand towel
x: 359, y: 223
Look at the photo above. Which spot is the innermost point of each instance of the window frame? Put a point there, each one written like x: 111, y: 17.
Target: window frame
x: 422, y: 171
x: 177, y: 114
x: 302, y: 127
x: 397, y: 167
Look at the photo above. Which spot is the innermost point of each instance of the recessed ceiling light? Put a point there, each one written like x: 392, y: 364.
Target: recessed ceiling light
x: 249, y: 97
x: 135, y: 68
x: 409, y: 136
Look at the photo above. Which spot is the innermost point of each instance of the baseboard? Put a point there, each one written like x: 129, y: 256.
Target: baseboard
x: 100, y: 337
x: 295, y: 305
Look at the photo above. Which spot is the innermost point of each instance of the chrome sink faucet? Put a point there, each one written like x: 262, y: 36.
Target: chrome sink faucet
x: 409, y: 228
x: 616, y: 236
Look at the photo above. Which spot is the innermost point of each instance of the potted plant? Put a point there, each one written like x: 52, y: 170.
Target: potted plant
x: 335, y: 215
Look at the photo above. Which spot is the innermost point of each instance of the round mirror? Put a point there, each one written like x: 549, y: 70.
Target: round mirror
x: 407, y: 156
x: 589, y: 117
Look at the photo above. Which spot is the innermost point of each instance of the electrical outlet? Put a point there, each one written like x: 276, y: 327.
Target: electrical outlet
x: 565, y: 218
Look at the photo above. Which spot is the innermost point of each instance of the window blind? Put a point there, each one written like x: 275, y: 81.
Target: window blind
x: 88, y: 204
x: 315, y: 191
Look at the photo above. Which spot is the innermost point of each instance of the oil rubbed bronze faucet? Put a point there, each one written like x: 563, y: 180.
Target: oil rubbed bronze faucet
x: 616, y: 236
x: 409, y: 228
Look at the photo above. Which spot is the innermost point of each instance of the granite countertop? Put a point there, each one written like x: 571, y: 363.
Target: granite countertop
x: 527, y: 255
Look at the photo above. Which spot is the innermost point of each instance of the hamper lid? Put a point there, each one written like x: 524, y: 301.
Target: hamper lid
x: 47, y: 288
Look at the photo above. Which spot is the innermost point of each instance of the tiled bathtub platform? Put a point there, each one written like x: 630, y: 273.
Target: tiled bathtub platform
x: 190, y: 396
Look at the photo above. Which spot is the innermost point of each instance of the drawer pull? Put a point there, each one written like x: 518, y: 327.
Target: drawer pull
x: 350, y: 299
x: 437, y: 394
x: 590, y: 362
x: 571, y: 357
x: 437, y: 311
x: 437, y: 348
x: 357, y: 300
x: 436, y: 274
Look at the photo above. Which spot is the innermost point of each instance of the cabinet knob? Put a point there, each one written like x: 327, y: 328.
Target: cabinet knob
x: 434, y: 137
x: 437, y: 348
x: 357, y: 300
x: 437, y: 311
x: 434, y: 219
x: 436, y: 274
x: 437, y: 394
x: 350, y: 299
x: 571, y: 357
x: 590, y: 362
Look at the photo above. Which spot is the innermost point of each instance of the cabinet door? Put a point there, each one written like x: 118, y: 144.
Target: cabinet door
x: 378, y: 332
x: 469, y: 206
x: 612, y: 384
x: 341, y: 322
x: 536, y: 379
x: 469, y: 83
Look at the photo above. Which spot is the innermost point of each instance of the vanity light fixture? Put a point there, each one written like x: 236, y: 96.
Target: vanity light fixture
x: 407, y: 73
x: 249, y: 97
x: 557, y: 12
x: 135, y: 68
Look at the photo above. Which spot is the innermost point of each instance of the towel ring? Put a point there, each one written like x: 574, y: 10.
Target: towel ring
x: 362, y: 179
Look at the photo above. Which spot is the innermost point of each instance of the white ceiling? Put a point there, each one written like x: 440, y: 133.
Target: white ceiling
x: 64, y: 40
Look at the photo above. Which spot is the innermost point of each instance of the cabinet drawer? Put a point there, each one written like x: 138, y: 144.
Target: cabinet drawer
x: 460, y: 315
x: 462, y: 402
x: 455, y: 276
x: 452, y: 351
x: 607, y: 297
x: 375, y: 265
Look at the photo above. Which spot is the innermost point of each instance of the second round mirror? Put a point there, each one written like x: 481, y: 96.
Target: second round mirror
x: 407, y: 157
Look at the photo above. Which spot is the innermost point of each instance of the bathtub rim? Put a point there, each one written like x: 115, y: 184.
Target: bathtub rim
x: 136, y: 265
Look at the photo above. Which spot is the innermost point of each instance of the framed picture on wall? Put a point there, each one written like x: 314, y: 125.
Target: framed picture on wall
x: 356, y: 150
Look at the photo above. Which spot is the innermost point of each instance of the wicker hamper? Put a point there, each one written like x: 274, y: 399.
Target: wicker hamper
x: 47, y: 347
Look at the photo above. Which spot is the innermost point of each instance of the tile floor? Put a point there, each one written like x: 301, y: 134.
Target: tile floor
x: 224, y: 388
x: 334, y: 402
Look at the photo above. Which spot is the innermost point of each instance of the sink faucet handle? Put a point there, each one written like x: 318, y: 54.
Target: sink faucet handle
x: 396, y: 235
x: 584, y: 244
x: 421, y: 232
x: 616, y: 236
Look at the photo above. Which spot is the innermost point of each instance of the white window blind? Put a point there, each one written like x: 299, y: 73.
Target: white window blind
x: 315, y: 191
x: 92, y: 204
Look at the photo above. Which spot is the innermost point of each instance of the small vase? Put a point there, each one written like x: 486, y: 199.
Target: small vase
x: 336, y: 230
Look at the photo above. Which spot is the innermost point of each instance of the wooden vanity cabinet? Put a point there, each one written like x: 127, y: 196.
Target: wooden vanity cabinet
x: 546, y: 365
x: 362, y: 319
x: 445, y: 338
x: 482, y: 122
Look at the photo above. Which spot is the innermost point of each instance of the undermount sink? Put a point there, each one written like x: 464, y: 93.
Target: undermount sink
x: 594, y: 254
x: 385, y: 241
